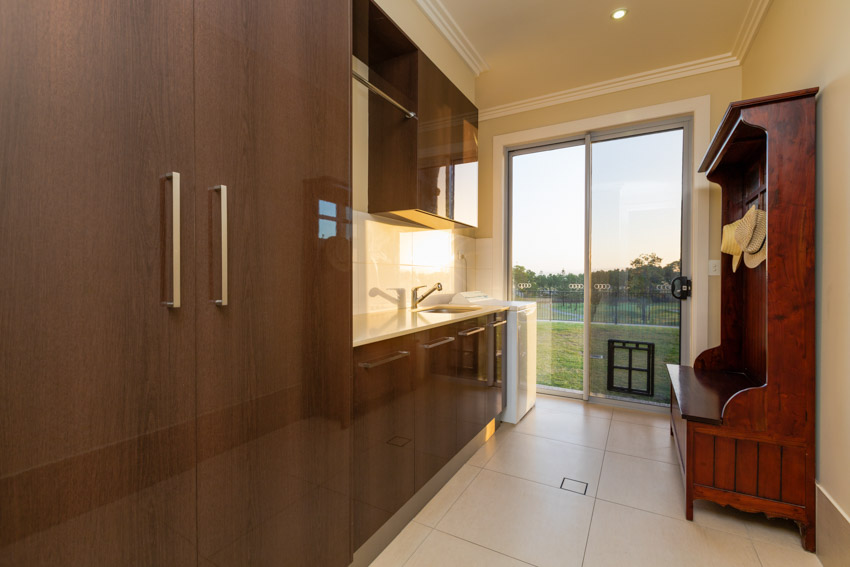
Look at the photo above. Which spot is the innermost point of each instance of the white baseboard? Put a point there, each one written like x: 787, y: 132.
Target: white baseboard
x: 833, y: 531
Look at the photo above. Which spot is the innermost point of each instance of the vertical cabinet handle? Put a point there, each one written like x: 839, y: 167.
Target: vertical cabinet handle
x: 222, y: 189
x: 174, y: 177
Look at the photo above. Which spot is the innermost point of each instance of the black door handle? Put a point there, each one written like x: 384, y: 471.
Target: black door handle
x: 682, y: 291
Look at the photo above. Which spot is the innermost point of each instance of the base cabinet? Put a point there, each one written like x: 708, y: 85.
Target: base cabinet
x: 418, y: 400
x: 384, y: 433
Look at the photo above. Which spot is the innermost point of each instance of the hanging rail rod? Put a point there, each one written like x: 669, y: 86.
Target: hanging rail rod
x: 383, y: 95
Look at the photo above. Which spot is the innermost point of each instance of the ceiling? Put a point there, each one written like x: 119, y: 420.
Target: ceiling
x: 533, y: 48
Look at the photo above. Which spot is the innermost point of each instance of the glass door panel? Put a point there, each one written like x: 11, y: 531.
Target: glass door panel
x: 636, y: 232
x: 547, y: 256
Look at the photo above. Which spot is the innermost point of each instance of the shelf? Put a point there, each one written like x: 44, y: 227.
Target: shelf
x: 702, y: 394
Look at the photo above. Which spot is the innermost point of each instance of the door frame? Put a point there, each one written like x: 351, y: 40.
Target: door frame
x: 695, y: 203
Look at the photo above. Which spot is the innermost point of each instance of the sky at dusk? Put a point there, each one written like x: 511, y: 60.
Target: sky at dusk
x: 636, y: 204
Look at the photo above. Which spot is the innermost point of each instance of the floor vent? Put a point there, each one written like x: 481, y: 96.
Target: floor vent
x: 576, y: 486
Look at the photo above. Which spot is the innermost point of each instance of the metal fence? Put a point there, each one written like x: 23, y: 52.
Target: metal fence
x: 613, y: 306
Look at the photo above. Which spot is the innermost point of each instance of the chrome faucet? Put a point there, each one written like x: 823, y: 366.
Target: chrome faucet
x: 415, y: 300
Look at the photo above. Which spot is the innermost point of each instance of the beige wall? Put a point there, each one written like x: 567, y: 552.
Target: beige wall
x: 407, y: 16
x: 723, y: 86
x: 800, y: 45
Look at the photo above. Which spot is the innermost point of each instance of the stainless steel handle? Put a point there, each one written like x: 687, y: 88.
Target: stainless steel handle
x: 174, y: 177
x: 222, y: 189
x: 380, y: 361
x: 439, y: 342
x: 498, y: 323
x: 472, y: 331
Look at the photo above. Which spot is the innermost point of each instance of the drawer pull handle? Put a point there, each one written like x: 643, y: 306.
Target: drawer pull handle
x: 385, y: 360
x: 498, y: 323
x: 439, y: 342
x: 472, y: 331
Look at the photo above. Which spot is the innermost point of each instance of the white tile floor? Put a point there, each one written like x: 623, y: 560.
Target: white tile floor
x: 506, y: 507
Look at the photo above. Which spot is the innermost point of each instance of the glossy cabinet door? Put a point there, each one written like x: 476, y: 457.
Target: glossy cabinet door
x: 436, y: 400
x: 473, y: 392
x: 97, y: 383
x: 497, y: 363
x: 447, y: 147
x: 272, y: 90
x: 384, y: 433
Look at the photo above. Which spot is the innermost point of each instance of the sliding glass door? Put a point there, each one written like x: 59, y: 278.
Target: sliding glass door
x: 595, y: 238
x: 548, y: 228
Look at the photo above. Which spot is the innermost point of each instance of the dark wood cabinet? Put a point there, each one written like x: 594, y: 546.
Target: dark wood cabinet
x: 419, y: 400
x: 436, y: 400
x: 138, y: 434
x: 422, y: 168
x: 473, y: 389
x: 274, y: 364
x: 744, y: 415
x: 497, y: 363
x: 97, y: 376
x: 384, y: 433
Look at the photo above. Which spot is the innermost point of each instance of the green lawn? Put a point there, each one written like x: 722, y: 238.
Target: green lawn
x: 559, y: 355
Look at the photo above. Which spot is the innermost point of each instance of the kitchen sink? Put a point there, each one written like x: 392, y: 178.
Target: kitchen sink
x: 448, y: 309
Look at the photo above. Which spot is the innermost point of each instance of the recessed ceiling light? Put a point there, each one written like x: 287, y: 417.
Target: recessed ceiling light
x: 619, y: 14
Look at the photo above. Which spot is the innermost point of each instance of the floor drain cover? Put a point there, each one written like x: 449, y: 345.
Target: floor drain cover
x: 398, y: 441
x: 576, y: 486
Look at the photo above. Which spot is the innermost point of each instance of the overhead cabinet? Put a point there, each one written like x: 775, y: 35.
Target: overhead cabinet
x: 423, y: 131
x: 175, y: 369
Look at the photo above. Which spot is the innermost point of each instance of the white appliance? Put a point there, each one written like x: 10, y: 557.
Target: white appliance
x: 521, y: 347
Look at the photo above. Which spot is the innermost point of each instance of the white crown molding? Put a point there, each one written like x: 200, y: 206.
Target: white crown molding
x: 446, y: 24
x: 749, y: 27
x: 614, y: 85
x: 746, y: 33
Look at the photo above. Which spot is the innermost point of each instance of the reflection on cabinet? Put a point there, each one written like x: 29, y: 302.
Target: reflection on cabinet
x: 97, y: 379
x: 472, y: 354
x: 419, y: 399
x: 139, y: 433
x: 423, y: 168
x: 436, y: 401
x: 384, y: 441
x: 274, y: 365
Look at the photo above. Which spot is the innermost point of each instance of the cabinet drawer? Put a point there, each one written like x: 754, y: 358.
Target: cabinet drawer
x: 383, y: 433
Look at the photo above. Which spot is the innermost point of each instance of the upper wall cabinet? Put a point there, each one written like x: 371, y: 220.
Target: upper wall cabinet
x: 423, y: 132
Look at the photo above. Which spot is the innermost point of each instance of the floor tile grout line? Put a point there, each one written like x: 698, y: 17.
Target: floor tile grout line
x: 455, y: 501
x: 644, y: 458
x: 551, y: 410
x: 665, y: 426
x: 689, y: 522
x: 560, y: 441
x: 595, y: 498
x: 412, y: 553
x: 756, y: 550
x: 541, y: 483
x: 485, y: 547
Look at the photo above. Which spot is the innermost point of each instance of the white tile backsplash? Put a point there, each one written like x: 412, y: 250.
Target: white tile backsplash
x: 391, y: 257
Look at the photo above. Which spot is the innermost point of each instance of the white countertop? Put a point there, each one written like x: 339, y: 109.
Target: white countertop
x: 381, y: 325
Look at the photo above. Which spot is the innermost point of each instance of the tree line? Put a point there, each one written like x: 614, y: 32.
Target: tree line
x: 643, y: 275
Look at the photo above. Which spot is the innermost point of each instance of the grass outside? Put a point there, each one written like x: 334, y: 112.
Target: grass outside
x: 559, y: 355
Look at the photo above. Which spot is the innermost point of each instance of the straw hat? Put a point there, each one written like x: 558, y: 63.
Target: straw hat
x: 730, y: 246
x: 751, y: 236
